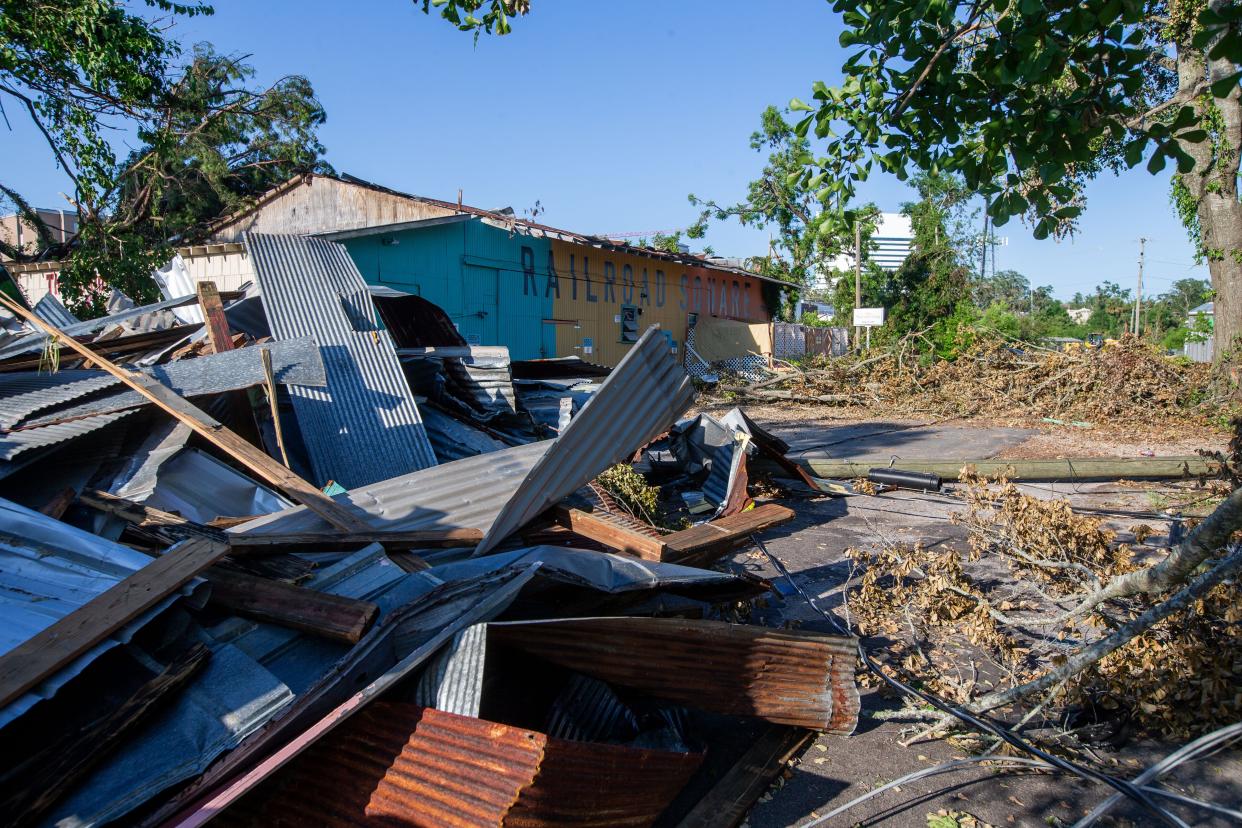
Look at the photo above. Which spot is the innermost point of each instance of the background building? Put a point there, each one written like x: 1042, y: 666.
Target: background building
x: 62, y: 224
x: 545, y: 292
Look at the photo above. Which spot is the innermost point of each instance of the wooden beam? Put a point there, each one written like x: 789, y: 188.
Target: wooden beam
x: 40, y: 656
x: 145, y: 516
x: 719, y: 536
x: 265, y: 356
x: 213, y: 317
x: 611, y: 535
x: 207, y: 427
x: 737, y: 790
x: 319, y: 613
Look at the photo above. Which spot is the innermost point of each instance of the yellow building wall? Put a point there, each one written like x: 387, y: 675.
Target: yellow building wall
x: 590, y: 286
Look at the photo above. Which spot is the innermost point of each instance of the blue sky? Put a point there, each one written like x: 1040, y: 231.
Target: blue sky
x: 608, y: 114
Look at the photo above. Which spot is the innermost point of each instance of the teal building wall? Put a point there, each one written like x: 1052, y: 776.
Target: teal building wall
x: 488, y: 281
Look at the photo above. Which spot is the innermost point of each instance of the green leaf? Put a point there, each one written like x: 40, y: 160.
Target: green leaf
x: 1156, y: 164
x: 1222, y: 87
x: 798, y: 105
x: 1185, y: 161
x: 1193, y: 136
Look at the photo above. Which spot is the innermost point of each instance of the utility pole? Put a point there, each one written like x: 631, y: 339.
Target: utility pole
x: 1136, y: 322
x: 983, y: 245
x: 857, y: 273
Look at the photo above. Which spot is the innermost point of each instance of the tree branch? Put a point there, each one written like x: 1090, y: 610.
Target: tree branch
x: 969, y: 26
x: 1089, y: 655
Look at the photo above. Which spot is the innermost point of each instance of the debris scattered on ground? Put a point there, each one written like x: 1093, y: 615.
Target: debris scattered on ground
x: 236, y: 547
x: 1127, y: 384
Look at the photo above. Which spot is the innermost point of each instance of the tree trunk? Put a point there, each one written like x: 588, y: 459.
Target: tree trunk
x: 1214, y: 185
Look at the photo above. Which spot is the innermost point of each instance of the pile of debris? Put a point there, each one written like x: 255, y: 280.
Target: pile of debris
x: 1128, y: 383
x: 301, y: 555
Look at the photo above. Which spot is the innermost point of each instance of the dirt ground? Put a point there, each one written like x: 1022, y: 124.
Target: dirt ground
x: 835, y: 770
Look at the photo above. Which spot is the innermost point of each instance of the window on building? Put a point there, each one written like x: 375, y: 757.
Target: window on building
x: 629, y: 323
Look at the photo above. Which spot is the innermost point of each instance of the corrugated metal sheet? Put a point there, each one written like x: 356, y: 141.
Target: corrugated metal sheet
x: 365, y: 426
x: 465, y: 494
x: 33, y: 343
x: 13, y: 443
x: 587, y: 784
x: 796, y: 678
x: 293, y: 361
x: 410, y: 634
x: 453, y: 439
x: 588, y: 710
x: 49, y: 569
x: 51, y: 310
x: 22, y: 393
x: 642, y: 396
x: 453, y: 681
x: 399, y: 764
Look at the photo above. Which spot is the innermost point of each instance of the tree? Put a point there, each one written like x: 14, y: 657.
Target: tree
x: 1007, y: 286
x: 83, y: 70
x: 799, y: 253
x: 1187, y: 294
x: 1028, y: 100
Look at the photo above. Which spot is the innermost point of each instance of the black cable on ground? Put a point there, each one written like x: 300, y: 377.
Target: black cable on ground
x: 1123, y: 787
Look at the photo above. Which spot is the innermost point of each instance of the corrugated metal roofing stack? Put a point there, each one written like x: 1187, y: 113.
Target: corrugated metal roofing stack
x: 364, y: 426
x: 195, y: 631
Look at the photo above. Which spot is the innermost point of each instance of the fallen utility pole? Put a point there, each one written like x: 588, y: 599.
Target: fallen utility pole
x: 206, y: 426
x: 1087, y: 468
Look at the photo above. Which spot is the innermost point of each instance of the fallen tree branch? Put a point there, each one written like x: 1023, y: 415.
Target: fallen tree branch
x: 1124, y: 634
x: 1207, y: 538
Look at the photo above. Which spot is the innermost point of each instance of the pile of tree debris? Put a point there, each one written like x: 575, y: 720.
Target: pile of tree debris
x: 1043, y: 609
x: 1127, y: 383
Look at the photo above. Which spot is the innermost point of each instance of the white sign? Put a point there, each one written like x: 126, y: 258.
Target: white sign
x: 868, y: 317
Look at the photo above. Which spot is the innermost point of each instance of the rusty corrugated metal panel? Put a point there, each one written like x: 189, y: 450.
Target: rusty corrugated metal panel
x: 788, y: 677
x: 587, y: 784
x: 399, y: 764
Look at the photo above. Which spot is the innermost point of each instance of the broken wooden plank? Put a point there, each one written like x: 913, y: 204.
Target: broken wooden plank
x: 737, y: 790
x: 120, y: 346
x: 49, y: 769
x: 213, y: 316
x: 319, y: 613
x: 266, y: 357
x: 267, y: 468
x: 719, y: 536
x: 612, y: 535
x: 40, y: 656
x: 62, y: 500
x: 145, y: 516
